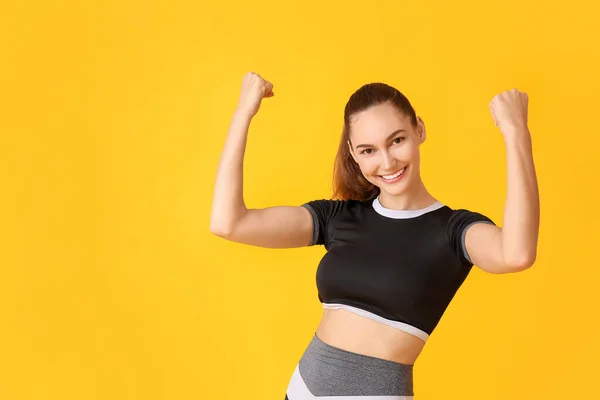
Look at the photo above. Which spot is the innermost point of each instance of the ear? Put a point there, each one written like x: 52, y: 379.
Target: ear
x: 351, y: 151
x: 421, y: 131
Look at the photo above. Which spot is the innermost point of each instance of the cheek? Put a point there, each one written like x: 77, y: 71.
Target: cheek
x: 369, y: 166
x: 407, y: 153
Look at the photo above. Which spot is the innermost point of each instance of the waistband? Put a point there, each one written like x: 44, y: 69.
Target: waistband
x: 325, y: 370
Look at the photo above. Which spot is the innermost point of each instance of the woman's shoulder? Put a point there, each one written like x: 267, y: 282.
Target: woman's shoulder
x: 460, y: 217
x: 335, y: 202
x: 334, y: 207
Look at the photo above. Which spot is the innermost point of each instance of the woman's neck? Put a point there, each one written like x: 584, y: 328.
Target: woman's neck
x: 415, y: 200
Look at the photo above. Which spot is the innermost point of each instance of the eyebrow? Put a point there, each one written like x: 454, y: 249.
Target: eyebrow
x: 388, y: 138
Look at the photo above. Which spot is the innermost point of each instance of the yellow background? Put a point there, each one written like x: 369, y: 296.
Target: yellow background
x: 112, y: 118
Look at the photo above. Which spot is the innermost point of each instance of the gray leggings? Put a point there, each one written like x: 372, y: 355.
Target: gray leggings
x: 330, y: 373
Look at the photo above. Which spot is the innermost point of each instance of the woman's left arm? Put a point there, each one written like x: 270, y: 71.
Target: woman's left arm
x: 513, y: 247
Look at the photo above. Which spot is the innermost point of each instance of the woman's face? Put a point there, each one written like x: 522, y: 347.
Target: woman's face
x: 386, y: 147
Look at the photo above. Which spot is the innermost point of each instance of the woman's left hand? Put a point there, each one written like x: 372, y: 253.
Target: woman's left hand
x: 509, y: 111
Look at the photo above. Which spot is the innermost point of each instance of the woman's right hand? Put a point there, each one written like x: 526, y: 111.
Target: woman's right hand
x: 254, y: 89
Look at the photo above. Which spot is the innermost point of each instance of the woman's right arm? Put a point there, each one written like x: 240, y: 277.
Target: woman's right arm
x: 274, y: 227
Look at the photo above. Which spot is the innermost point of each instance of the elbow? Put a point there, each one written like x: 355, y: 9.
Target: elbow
x: 220, y: 232
x: 224, y: 224
x: 220, y: 229
x: 522, y: 263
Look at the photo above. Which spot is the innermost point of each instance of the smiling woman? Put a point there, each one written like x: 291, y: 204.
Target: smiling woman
x: 396, y: 255
x: 370, y: 158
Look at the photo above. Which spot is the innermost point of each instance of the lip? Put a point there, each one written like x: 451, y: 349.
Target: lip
x: 395, y: 179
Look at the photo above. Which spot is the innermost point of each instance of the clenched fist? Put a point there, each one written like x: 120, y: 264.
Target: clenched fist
x: 254, y: 89
x: 509, y: 111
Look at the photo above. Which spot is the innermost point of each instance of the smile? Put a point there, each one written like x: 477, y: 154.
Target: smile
x: 393, y: 177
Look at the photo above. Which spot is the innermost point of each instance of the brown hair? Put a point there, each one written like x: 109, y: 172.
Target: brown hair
x: 348, y: 182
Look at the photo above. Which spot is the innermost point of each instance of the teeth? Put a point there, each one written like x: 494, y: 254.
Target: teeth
x: 397, y: 174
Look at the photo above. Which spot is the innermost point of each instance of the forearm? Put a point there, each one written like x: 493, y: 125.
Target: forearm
x: 228, y: 198
x: 522, y: 209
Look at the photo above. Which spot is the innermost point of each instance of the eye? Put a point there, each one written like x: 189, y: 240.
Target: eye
x: 398, y: 140
x: 366, y: 150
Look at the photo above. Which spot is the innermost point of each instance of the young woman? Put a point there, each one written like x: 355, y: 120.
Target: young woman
x: 395, y: 255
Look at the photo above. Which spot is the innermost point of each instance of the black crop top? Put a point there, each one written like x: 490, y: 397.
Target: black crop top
x: 400, y: 265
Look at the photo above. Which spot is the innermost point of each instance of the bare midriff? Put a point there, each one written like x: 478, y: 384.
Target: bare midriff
x: 351, y: 332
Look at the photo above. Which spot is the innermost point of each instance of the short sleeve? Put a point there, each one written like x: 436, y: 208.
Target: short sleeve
x: 459, y: 222
x: 323, y: 211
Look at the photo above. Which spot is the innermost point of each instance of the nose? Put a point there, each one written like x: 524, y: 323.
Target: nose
x: 388, y: 161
